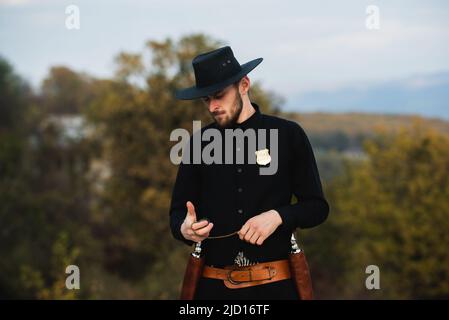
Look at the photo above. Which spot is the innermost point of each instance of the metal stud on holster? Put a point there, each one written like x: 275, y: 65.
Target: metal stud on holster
x: 193, y: 273
x: 299, y: 269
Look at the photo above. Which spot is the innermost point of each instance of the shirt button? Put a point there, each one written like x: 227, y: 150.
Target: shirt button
x: 238, y: 149
x: 240, y: 211
x: 239, y: 189
x: 239, y: 170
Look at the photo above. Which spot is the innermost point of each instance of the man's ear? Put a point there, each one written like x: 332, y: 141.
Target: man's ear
x: 245, y: 83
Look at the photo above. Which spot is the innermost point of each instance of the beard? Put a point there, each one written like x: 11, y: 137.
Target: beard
x: 231, y: 120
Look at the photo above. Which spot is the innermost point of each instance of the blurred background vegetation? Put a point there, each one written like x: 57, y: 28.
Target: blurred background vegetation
x: 85, y: 179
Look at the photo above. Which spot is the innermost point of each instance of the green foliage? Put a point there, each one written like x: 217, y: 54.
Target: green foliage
x: 13, y: 97
x: 66, y: 91
x: 86, y: 179
x: 392, y: 211
x: 134, y: 124
x: 44, y: 196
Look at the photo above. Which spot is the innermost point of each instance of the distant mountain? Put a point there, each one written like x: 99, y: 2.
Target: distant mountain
x: 354, y: 124
x: 339, y: 136
x: 346, y: 131
x: 426, y: 95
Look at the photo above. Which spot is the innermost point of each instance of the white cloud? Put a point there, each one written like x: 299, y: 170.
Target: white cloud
x: 22, y: 3
x: 14, y: 2
x: 305, y: 45
x: 352, y: 53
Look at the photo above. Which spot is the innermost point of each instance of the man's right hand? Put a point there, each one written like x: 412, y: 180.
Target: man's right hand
x: 193, y: 230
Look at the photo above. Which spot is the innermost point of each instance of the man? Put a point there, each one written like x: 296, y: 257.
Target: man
x: 244, y: 219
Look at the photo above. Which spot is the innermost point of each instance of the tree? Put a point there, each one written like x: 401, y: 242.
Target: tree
x: 392, y: 211
x: 134, y: 116
x: 44, y: 191
x: 65, y: 91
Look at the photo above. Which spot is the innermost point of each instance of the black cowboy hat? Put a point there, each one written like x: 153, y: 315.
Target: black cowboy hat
x: 214, y: 71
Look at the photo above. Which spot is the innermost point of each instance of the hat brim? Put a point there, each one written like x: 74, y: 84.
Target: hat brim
x: 195, y: 93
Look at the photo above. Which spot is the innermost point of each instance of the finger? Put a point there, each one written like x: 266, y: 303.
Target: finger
x: 260, y: 240
x: 243, y: 231
x: 191, y: 210
x: 196, y: 238
x: 254, y: 238
x: 199, y: 225
x: 204, y: 232
x: 249, y: 234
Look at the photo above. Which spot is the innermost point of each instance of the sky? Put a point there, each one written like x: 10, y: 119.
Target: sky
x: 307, y: 46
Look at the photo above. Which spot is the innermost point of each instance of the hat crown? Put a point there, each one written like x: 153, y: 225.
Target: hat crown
x: 214, y: 71
x: 215, y: 66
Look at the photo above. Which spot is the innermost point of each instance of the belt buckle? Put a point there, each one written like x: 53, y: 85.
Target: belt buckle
x: 271, y: 272
x: 234, y: 282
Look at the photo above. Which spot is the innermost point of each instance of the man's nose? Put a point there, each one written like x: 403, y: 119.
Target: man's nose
x: 213, y: 105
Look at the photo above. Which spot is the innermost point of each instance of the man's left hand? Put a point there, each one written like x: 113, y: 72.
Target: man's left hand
x: 260, y: 227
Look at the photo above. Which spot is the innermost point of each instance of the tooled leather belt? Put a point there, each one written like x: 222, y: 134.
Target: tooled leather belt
x: 236, y: 277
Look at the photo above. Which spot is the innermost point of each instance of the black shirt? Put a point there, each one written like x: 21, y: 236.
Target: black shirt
x: 230, y: 194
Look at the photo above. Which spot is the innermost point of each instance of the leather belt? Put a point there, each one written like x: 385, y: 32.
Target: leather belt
x: 236, y: 277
